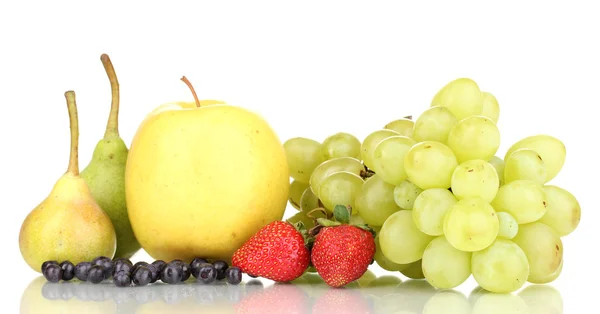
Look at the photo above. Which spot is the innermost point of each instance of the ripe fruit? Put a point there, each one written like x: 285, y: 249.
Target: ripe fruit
x: 68, y: 224
x: 275, y: 252
x: 201, y: 181
x: 341, y: 253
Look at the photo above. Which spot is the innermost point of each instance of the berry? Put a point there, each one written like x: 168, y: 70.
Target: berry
x: 206, y: 273
x: 195, y: 266
x: 122, y: 267
x: 185, y: 268
x: 234, y: 275
x: 68, y: 270
x: 341, y: 254
x: 172, y: 273
x: 138, y: 264
x: 96, y: 274
x: 122, y: 260
x: 220, y: 267
x: 82, y: 269
x: 53, y: 272
x: 142, y: 276
x: 46, y: 263
x: 154, y: 274
x: 106, y: 264
x: 122, y: 279
x: 275, y: 252
x: 159, y: 264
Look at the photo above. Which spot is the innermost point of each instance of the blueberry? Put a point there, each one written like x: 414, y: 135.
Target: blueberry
x: 195, y: 265
x: 207, y: 273
x: 142, y: 276
x: 53, y: 273
x: 122, y: 267
x: 172, y: 273
x: 96, y: 274
x: 68, y: 270
x: 106, y: 263
x: 46, y: 263
x: 82, y: 269
x: 159, y: 264
x: 138, y: 264
x: 234, y: 275
x: 220, y: 267
x: 185, y: 268
x: 122, y: 280
x: 154, y: 274
x: 122, y: 260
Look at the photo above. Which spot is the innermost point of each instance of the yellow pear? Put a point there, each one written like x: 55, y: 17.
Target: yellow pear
x: 68, y: 224
x: 201, y: 180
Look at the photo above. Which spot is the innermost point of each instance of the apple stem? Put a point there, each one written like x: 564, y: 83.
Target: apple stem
x: 187, y: 82
x: 112, y: 127
x: 73, y: 168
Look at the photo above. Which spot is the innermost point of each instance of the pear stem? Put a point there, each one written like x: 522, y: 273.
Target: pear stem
x: 112, y: 127
x: 187, y: 82
x: 73, y: 168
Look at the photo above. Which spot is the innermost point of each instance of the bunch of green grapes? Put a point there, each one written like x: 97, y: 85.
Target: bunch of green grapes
x: 445, y: 204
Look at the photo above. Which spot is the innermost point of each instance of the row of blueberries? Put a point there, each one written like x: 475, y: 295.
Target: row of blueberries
x: 124, y: 273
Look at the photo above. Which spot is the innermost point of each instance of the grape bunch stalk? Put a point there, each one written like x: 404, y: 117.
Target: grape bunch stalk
x: 445, y: 204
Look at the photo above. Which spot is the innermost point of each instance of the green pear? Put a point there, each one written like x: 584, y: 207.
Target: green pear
x: 105, y: 174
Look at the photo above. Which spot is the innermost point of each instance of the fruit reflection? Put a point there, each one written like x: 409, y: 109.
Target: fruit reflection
x: 308, y: 294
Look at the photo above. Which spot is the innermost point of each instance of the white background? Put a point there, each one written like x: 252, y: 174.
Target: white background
x: 311, y: 69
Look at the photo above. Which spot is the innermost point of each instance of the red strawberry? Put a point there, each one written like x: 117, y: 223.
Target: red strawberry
x: 275, y: 252
x: 342, y: 253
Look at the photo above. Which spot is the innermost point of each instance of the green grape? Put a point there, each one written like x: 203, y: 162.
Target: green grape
x: 524, y: 164
x: 550, y: 277
x: 308, y: 222
x: 563, y: 210
x: 542, y: 299
x: 430, y: 209
x: 402, y: 126
x: 498, y: 164
x: 330, y: 166
x: 400, y: 239
x: 444, y: 266
x: 543, y: 247
x: 471, y: 224
x: 430, y: 165
x: 447, y: 302
x: 303, y: 156
x: 405, y: 194
x: 501, y: 267
x: 462, y: 96
x: 297, y: 188
x: 388, y: 158
x: 308, y: 201
x: 475, y: 178
x: 414, y: 270
x: 370, y: 142
x: 523, y: 199
x: 383, y: 261
x: 340, y: 145
x: 508, y: 225
x: 475, y: 137
x: 501, y: 303
x: 340, y: 188
x: 434, y: 124
x: 552, y: 151
x: 491, y: 108
x: 375, y: 201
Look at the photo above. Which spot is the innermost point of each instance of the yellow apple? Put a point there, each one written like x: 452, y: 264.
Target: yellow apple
x: 201, y: 180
